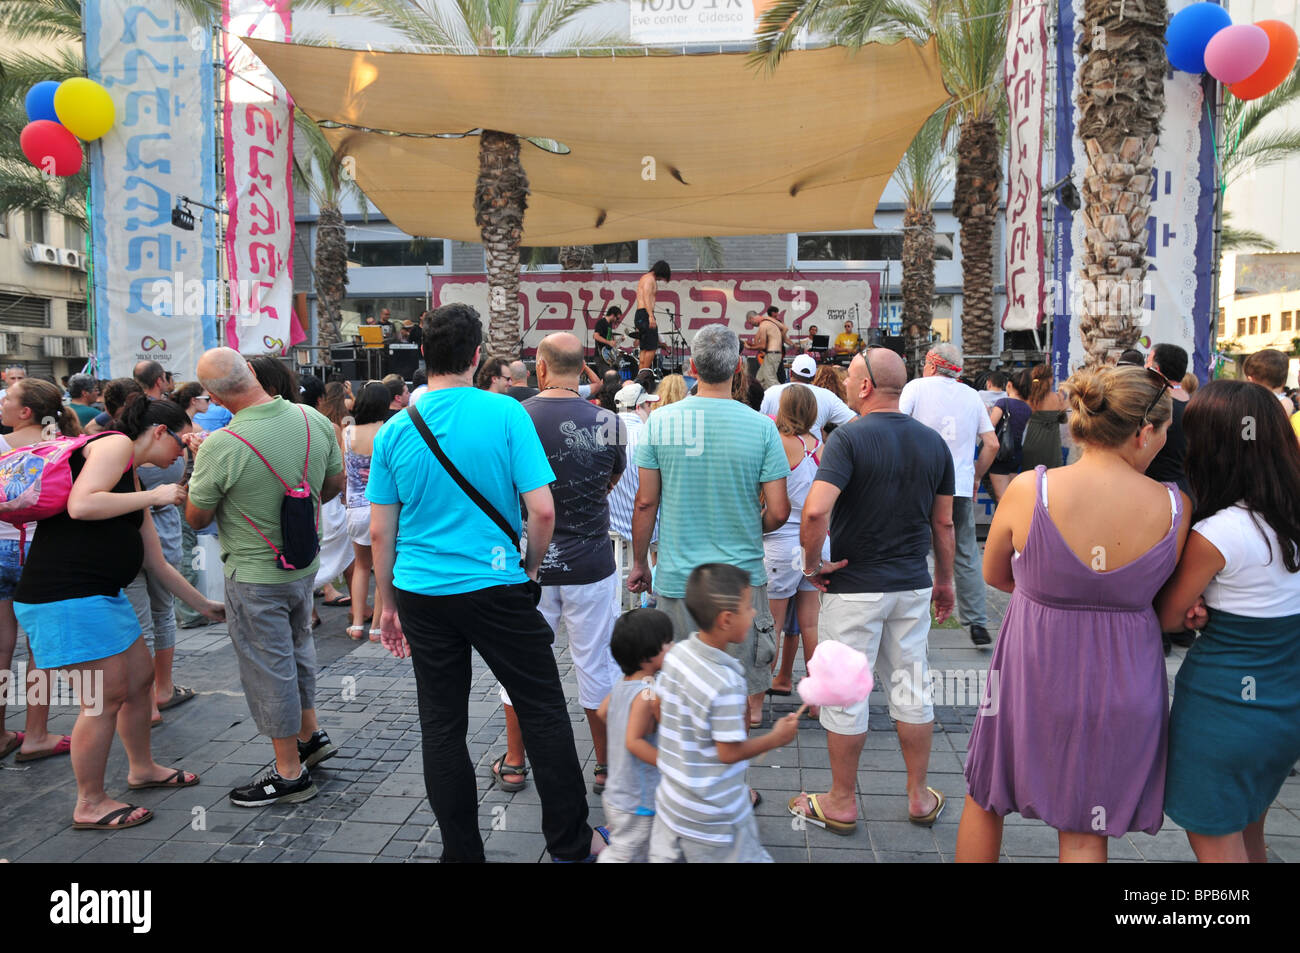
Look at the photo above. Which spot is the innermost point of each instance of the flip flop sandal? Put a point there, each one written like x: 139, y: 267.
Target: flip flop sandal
x: 500, y: 769
x: 180, y: 695
x: 106, y: 823
x: 63, y: 747
x: 597, y: 787
x: 927, y: 820
x: 818, y: 816
x: 755, y: 798
x: 340, y: 601
x: 174, y: 780
x: 13, y: 745
x: 778, y: 693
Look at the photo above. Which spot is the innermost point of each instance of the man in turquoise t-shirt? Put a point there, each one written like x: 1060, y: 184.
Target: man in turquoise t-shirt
x: 705, y: 462
x: 450, y: 580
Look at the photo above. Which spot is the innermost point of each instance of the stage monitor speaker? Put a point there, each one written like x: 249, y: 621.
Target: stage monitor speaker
x: 350, y: 370
x: 403, y: 359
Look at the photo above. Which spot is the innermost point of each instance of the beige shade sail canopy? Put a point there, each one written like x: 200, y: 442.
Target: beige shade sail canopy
x: 658, y: 146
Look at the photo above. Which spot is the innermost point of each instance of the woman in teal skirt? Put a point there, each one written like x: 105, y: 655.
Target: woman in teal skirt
x: 1234, y: 730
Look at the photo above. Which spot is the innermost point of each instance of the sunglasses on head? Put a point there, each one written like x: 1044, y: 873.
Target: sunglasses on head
x: 1165, y: 384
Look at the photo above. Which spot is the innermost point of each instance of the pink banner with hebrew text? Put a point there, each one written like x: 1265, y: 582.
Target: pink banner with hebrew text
x: 258, y: 137
x: 1026, y: 70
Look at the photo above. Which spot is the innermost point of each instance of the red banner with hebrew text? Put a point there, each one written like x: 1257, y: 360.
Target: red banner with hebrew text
x: 1026, y: 72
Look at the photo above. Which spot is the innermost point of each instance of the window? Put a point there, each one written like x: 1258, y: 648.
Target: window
x: 4, y: 226
x: 1253, y: 323
x: 74, y: 236
x: 864, y: 246
x: 77, y: 318
x: 614, y: 253
x: 1241, y: 327
x: 1286, y: 320
x: 1223, y: 322
x: 1264, y: 320
x: 415, y: 251
x: 35, y: 226
x: 24, y: 311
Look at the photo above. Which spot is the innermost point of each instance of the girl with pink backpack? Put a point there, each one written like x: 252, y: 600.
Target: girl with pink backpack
x: 70, y: 597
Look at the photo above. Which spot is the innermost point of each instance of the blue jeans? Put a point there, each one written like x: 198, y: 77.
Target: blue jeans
x: 968, y: 570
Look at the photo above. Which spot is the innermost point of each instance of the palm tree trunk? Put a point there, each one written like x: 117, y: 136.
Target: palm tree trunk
x: 331, y: 275
x: 500, y: 199
x: 975, y: 203
x: 1121, y: 102
x: 918, y: 285
x: 577, y: 257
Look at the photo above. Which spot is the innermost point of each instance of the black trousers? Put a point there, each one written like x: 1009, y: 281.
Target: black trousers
x: 504, y: 627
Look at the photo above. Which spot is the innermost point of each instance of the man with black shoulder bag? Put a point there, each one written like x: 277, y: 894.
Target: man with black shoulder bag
x: 446, y: 478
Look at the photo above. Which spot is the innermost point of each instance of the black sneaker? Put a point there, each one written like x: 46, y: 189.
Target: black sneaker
x: 270, y: 788
x: 318, y: 749
x: 980, y: 635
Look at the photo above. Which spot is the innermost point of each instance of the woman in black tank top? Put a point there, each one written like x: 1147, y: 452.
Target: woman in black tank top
x: 70, y: 601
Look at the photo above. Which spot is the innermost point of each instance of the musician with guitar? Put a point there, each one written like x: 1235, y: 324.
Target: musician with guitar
x: 607, y: 339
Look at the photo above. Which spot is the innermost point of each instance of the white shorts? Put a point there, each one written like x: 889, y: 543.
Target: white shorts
x: 891, y: 626
x: 669, y: 847
x: 359, y: 524
x: 783, y: 559
x: 589, y: 612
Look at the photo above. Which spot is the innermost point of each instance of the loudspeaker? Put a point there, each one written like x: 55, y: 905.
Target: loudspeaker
x: 403, y: 359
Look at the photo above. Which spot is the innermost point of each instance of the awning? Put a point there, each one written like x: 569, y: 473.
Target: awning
x: 659, y: 146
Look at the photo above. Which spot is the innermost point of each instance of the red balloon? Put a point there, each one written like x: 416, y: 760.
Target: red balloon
x: 1283, y: 48
x: 51, y: 148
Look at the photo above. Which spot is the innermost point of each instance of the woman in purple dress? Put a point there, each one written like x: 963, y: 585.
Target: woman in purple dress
x: 1073, y: 725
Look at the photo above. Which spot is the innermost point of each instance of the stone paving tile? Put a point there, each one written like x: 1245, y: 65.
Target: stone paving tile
x: 372, y: 806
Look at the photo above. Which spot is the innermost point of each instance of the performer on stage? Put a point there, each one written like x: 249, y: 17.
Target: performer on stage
x: 771, y: 337
x: 848, y: 343
x: 644, y: 319
x: 606, y: 339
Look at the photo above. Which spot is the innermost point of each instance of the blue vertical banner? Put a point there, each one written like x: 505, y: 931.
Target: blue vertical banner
x: 156, y: 289
x: 1176, y: 305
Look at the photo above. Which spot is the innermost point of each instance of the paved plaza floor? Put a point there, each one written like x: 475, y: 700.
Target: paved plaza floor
x: 371, y: 806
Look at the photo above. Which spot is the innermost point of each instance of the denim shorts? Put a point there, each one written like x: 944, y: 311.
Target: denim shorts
x: 11, y: 568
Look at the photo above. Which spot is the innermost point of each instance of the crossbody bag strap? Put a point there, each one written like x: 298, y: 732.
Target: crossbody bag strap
x: 479, y: 500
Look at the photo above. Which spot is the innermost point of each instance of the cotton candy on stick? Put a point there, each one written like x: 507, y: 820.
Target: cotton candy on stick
x: 837, y: 675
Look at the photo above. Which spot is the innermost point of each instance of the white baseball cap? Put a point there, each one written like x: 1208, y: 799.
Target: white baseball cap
x: 633, y: 395
x: 804, y: 366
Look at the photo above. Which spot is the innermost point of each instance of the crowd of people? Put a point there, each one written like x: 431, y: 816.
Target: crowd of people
x: 756, y: 522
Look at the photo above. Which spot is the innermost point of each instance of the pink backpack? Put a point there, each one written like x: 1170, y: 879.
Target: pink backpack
x: 35, y: 481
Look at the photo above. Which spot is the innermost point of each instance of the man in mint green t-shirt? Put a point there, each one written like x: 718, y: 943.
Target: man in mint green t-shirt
x: 268, y: 609
x: 705, y: 464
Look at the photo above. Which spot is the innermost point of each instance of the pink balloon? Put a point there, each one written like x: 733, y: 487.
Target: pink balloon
x: 1235, y: 52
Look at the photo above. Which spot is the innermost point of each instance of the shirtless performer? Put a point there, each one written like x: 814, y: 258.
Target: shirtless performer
x: 770, y: 337
x: 644, y: 320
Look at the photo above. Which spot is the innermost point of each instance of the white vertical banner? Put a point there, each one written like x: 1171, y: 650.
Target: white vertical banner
x: 258, y: 124
x: 155, y: 284
x: 1026, y: 81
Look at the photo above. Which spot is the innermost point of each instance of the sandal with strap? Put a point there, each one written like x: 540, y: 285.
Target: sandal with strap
x: 360, y: 629
x: 375, y: 634
x: 598, y: 787
x: 500, y: 769
x: 114, y: 820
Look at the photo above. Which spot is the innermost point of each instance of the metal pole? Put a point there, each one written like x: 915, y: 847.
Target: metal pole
x: 1213, y: 316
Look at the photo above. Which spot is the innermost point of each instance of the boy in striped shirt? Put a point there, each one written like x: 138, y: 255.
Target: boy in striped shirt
x: 703, y: 810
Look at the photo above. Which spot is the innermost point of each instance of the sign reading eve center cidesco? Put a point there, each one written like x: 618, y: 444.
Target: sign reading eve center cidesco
x: 693, y: 21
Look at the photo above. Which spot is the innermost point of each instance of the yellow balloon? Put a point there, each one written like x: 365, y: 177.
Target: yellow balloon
x: 84, y: 108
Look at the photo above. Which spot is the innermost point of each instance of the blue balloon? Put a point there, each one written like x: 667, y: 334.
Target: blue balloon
x: 40, y: 101
x: 1190, y: 31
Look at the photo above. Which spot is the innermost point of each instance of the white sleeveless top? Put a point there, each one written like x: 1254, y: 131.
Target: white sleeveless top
x: 797, y: 485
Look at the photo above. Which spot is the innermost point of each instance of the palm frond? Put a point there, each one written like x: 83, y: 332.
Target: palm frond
x: 21, y: 69
x: 1238, y: 239
x: 320, y: 171
x: 926, y: 167
x: 1243, y: 118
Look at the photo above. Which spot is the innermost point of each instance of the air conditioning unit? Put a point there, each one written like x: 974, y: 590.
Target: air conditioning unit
x: 42, y: 254
x: 53, y: 345
x: 69, y: 258
x: 8, y: 343
x: 80, y: 347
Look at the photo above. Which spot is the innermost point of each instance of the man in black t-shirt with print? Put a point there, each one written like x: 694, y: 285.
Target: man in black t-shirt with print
x: 884, y: 490
x: 606, y: 344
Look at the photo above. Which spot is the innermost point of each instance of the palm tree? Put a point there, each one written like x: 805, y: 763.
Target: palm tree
x: 329, y: 182
x: 922, y: 175
x: 971, y: 37
x: 494, y: 28
x: 1121, y: 102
